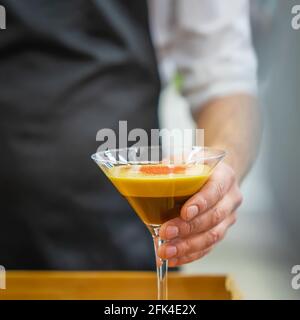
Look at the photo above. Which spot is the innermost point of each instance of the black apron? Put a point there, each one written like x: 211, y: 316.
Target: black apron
x: 67, y: 69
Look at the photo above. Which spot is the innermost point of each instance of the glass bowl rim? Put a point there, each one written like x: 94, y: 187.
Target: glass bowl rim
x: 217, y: 153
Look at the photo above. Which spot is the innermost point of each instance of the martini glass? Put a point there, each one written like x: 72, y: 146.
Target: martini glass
x: 157, y: 182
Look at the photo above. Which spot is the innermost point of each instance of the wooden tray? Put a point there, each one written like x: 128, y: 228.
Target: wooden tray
x: 113, y: 285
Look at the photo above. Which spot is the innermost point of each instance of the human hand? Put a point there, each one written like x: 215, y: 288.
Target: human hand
x: 204, y: 219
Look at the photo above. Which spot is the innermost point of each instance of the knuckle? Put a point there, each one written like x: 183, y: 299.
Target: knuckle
x: 186, y: 229
x: 218, y: 215
x: 183, y: 247
x: 218, y: 189
x: 212, y: 238
x: 194, y: 225
x: 239, y: 198
x: 201, y: 201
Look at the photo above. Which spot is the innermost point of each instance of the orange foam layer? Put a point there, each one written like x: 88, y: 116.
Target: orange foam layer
x: 161, y: 169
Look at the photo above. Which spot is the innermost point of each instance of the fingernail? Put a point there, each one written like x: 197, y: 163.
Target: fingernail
x: 191, y: 212
x: 172, y: 232
x: 171, y: 251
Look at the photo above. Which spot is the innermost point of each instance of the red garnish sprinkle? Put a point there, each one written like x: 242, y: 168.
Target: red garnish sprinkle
x: 161, y: 169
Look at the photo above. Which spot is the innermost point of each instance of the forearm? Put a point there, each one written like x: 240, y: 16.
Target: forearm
x: 232, y: 123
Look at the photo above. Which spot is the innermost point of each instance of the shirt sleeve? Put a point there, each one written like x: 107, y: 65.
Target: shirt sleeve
x: 211, y: 48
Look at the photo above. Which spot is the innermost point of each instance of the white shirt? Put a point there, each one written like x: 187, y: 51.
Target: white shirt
x: 209, y: 43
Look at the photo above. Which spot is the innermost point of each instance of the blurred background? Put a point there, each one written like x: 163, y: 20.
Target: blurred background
x: 263, y: 246
x: 260, y: 250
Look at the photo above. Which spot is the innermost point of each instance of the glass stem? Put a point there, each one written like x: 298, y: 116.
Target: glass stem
x: 161, y: 268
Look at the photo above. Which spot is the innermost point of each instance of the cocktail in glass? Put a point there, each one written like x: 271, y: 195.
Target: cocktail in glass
x: 156, y: 183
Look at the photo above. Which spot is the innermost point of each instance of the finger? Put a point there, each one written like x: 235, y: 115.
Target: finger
x: 223, y: 227
x: 211, y: 193
x: 181, y: 247
x: 179, y: 228
x: 174, y: 262
x: 189, y: 258
x: 214, y: 216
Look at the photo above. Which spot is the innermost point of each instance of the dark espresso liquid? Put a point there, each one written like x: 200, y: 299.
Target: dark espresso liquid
x: 157, y: 210
x: 158, y: 192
